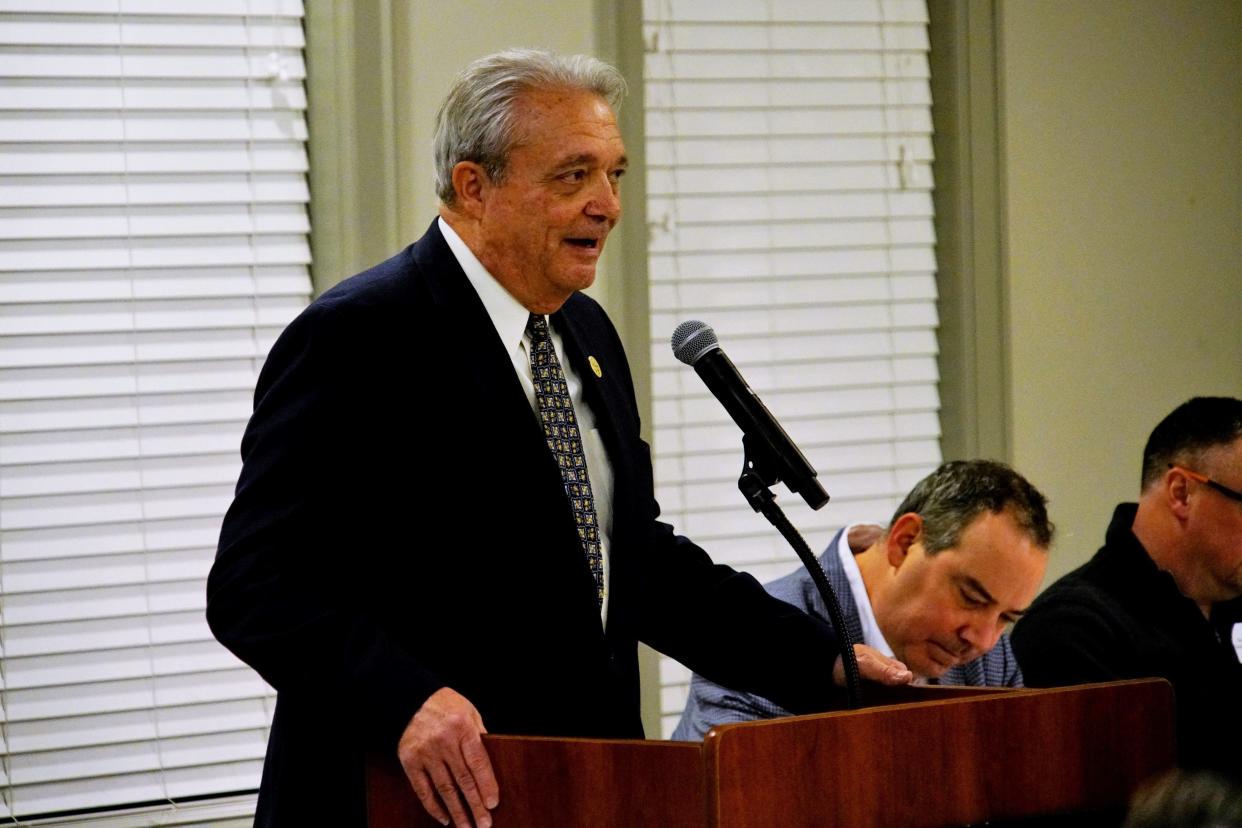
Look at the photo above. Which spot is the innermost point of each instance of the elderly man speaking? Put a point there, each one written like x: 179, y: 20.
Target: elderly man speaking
x: 445, y: 521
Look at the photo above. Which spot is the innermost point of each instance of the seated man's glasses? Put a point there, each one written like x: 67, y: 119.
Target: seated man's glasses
x: 1232, y: 494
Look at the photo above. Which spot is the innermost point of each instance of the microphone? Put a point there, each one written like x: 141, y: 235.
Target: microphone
x: 695, y: 344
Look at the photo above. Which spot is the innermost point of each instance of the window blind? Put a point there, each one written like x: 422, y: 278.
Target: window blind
x: 153, y: 227
x: 789, y: 184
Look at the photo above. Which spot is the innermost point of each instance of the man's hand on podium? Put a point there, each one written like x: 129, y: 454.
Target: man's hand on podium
x: 873, y: 666
x: 445, y: 760
x: 862, y: 536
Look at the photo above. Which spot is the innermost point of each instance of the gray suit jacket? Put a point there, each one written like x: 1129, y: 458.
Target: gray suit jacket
x: 711, y: 704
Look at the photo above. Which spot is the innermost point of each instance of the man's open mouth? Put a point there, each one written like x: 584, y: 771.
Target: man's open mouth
x: 588, y: 244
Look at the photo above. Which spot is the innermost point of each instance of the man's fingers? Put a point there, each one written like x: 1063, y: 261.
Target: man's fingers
x: 863, y: 536
x: 480, y: 767
x: 875, y: 666
x: 467, y: 784
x: 446, y: 763
x: 427, y: 795
x: 894, y: 675
x: 446, y: 789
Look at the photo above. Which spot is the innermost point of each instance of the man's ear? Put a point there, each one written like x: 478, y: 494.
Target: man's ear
x: 906, y: 530
x: 1176, y: 487
x: 470, y: 183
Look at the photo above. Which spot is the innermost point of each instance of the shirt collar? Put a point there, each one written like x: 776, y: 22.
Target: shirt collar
x: 507, y: 313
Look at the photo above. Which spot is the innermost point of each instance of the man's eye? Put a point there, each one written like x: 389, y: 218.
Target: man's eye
x: 574, y: 176
x: 973, y: 600
x: 616, y: 174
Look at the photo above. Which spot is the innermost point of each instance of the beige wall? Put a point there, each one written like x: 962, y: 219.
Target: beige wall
x: 378, y: 72
x: 1120, y: 249
x: 1121, y: 150
x: 441, y: 37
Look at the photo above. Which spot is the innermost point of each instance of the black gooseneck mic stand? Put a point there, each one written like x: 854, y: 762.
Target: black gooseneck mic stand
x: 757, y: 476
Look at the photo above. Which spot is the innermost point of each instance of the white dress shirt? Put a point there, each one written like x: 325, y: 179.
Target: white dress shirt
x: 509, y: 317
x: 871, y: 635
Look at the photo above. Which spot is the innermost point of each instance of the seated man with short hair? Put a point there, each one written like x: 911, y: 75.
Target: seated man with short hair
x: 1163, y: 596
x: 962, y: 557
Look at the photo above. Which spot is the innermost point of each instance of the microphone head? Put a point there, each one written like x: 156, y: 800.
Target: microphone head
x: 692, y: 339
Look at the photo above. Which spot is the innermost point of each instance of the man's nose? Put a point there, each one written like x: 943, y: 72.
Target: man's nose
x: 980, y: 634
x: 605, y: 200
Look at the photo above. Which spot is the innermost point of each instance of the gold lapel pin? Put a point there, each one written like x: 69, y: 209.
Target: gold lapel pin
x: 595, y: 366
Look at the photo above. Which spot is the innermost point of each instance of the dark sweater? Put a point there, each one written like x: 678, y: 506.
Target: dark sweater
x: 1118, y: 617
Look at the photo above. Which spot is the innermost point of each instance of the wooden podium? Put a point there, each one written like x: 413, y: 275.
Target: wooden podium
x: 926, y: 757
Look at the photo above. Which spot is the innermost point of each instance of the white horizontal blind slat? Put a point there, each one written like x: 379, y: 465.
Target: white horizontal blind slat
x: 153, y: 223
x: 261, y: 11
x: 789, y: 194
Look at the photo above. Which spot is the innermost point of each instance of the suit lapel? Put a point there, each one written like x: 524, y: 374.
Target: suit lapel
x: 511, y: 429
x: 587, y: 348
x: 486, y: 361
x: 590, y: 358
x: 486, y: 370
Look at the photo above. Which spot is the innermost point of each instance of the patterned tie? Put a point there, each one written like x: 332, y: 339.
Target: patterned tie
x: 560, y: 428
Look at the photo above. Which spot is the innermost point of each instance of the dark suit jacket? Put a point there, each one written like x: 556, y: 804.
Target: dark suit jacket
x: 400, y: 525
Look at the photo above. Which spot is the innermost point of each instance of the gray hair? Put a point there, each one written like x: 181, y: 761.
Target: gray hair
x: 478, y: 120
x: 950, y: 498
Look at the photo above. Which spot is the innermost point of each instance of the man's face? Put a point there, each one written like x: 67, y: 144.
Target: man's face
x: 542, y: 230
x: 943, y: 610
x: 1214, y: 524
